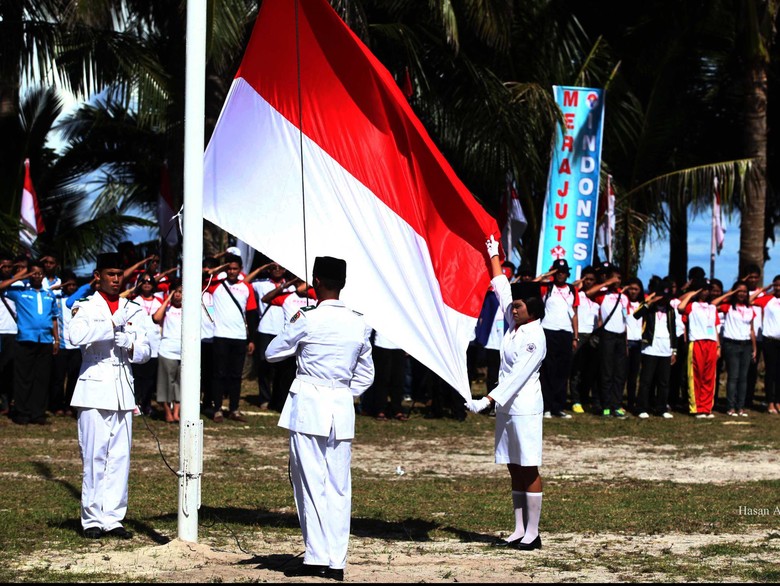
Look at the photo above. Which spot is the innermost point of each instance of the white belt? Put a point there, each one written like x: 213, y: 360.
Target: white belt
x: 333, y: 384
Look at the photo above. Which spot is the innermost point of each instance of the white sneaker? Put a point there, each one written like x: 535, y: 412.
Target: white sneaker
x: 643, y: 415
x: 136, y: 411
x: 701, y: 416
x: 547, y: 415
x: 742, y: 413
x: 710, y: 416
x: 667, y: 415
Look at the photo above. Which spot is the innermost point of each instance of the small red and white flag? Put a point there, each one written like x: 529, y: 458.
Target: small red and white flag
x: 351, y: 173
x: 30, y: 214
x: 511, y: 219
x: 718, y: 228
x: 605, y: 230
x: 166, y: 216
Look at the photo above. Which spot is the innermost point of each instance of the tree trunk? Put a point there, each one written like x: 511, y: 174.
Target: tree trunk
x: 752, y: 237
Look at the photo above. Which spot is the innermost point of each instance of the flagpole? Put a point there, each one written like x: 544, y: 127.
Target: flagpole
x: 191, y: 426
x: 713, y: 238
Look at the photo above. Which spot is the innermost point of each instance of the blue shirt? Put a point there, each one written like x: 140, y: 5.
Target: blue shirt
x: 35, y: 312
x: 80, y: 293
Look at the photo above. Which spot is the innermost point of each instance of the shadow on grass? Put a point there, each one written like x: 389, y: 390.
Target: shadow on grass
x: 413, y: 530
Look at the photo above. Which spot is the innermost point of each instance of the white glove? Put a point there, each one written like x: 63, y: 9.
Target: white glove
x: 492, y: 246
x: 124, y: 339
x: 478, y: 406
x: 119, y: 319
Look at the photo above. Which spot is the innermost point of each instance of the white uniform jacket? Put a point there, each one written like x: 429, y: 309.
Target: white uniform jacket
x: 519, y: 391
x: 333, y: 348
x: 106, y: 379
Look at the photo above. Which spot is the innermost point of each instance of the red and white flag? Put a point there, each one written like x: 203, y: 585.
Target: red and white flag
x: 718, y: 228
x: 605, y: 230
x: 352, y: 174
x: 166, y: 216
x: 30, y: 214
x: 511, y: 218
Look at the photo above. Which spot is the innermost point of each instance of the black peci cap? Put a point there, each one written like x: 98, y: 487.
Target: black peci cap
x: 108, y: 260
x: 328, y: 267
x: 523, y: 290
x: 560, y: 264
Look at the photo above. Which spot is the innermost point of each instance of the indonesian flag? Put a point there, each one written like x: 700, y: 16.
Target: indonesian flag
x: 718, y: 229
x: 605, y: 230
x: 511, y: 218
x: 352, y: 174
x: 30, y: 215
x: 166, y: 217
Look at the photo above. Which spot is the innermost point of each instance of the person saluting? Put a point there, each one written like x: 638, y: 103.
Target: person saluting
x: 110, y: 332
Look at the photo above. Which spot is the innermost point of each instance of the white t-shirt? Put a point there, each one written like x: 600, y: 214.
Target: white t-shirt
x: 703, y: 321
x: 170, y: 342
x: 607, y: 301
x: 150, y: 306
x: 662, y: 345
x: 587, y: 314
x: 738, y: 322
x: 633, y: 325
x: 272, y: 320
x: 770, y: 306
x: 559, y: 304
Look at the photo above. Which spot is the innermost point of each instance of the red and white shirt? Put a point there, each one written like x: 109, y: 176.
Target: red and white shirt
x: 587, y: 314
x: 770, y: 306
x: 703, y: 321
x: 738, y: 322
x: 292, y: 302
x: 559, y: 304
x: 608, y: 301
x: 229, y: 320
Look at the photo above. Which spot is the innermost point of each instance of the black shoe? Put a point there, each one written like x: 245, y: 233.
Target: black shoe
x: 309, y: 570
x: 505, y: 543
x: 334, y: 574
x: 93, y: 533
x: 119, y: 533
x: 42, y: 420
x: 535, y: 544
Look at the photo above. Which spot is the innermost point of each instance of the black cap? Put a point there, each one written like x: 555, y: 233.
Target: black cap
x: 560, y: 264
x: 701, y: 283
x: 108, y: 260
x: 328, y: 267
x: 606, y: 267
x: 523, y: 290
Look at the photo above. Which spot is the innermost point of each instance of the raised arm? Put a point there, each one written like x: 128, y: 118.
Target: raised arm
x: 23, y: 274
x: 257, y: 271
x: 686, y: 299
x: 722, y: 298
x: 159, y: 315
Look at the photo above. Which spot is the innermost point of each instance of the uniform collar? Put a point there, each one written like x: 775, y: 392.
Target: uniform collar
x: 333, y: 302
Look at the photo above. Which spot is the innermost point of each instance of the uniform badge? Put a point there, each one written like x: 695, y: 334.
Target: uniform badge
x: 296, y: 316
x: 530, y: 347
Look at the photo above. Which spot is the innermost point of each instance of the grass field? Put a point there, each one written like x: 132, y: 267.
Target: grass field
x: 630, y: 500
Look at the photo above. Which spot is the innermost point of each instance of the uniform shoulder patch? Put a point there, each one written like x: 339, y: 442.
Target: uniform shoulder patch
x: 357, y: 313
x: 531, y: 347
x: 130, y: 301
x: 308, y: 307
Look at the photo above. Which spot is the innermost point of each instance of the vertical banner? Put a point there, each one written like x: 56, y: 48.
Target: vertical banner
x: 571, y: 203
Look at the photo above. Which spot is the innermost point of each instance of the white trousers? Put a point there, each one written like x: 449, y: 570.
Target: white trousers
x: 104, y: 442
x: 322, y: 486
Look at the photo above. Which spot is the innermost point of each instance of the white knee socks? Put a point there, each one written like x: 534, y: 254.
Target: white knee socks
x: 533, y: 508
x: 518, y: 501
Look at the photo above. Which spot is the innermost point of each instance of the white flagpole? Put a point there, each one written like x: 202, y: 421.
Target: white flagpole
x: 191, y: 426
x: 714, y: 235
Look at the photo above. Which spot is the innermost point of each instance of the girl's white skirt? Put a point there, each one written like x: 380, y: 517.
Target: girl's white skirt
x: 519, y: 439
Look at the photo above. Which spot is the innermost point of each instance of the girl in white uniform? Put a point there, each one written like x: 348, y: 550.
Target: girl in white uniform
x: 518, y: 401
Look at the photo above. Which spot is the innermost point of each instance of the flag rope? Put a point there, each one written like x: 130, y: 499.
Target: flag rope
x: 300, y: 146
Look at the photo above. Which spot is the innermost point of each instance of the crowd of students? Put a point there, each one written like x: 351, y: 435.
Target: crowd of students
x: 615, y: 347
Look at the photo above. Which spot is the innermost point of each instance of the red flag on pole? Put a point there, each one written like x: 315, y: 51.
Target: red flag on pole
x: 605, y: 230
x: 317, y: 152
x: 511, y: 220
x: 718, y: 229
x: 30, y: 214
x: 166, y: 216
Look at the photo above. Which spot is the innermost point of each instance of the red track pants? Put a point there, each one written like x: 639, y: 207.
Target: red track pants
x: 702, y: 372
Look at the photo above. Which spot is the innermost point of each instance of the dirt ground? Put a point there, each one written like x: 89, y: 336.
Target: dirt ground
x: 564, y: 558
